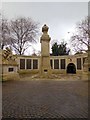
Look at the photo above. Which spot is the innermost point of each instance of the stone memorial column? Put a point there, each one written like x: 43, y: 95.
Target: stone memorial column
x: 45, y: 54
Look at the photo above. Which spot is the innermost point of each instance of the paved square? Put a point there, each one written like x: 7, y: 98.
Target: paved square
x: 45, y: 99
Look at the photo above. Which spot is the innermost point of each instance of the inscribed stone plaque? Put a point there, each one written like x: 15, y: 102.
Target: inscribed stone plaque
x: 35, y: 64
x: 84, y: 59
x: 79, y: 63
x: 28, y: 62
x: 22, y: 63
x: 63, y: 64
x: 51, y: 63
x: 56, y: 64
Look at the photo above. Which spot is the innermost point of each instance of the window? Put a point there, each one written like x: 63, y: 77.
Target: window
x: 45, y: 70
x: 10, y: 69
x: 35, y: 64
x: 79, y: 63
x: 63, y: 64
x: 56, y: 64
x: 28, y: 62
x: 51, y: 63
x: 22, y: 63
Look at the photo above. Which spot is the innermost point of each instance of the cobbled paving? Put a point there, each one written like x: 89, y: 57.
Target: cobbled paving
x: 45, y: 99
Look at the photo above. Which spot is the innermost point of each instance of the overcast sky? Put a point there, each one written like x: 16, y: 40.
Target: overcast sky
x: 61, y: 17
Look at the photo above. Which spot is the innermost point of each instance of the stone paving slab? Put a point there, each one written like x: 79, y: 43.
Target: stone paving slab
x: 45, y: 99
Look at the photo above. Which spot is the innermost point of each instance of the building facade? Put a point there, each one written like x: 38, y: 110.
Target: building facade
x: 46, y: 64
x: 73, y: 64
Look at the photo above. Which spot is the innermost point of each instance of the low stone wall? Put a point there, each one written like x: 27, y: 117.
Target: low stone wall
x: 56, y: 71
x: 10, y: 76
x: 28, y: 72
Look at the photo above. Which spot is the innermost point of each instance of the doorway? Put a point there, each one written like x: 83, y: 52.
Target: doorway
x: 71, y: 68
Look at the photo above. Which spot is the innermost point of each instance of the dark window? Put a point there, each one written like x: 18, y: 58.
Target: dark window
x: 79, y: 63
x: 28, y: 63
x: 22, y: 63
x: 45, y: 70
x: 62, y: 63
x: 35, y: 64
x: 51, y: 63
x: 10, y: 69
x: 56, y: 64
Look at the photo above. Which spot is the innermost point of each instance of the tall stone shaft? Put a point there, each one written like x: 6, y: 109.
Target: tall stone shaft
x: 45, y: 52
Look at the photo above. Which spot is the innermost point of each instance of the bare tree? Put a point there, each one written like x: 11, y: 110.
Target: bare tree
x: 23, y: 31
x: 81, y: 39
x: 4, y: 33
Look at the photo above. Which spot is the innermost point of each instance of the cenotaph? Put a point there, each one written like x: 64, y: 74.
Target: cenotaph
x: 45, y: 52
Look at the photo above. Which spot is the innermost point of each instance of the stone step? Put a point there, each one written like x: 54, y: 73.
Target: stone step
x: 53, y: 77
